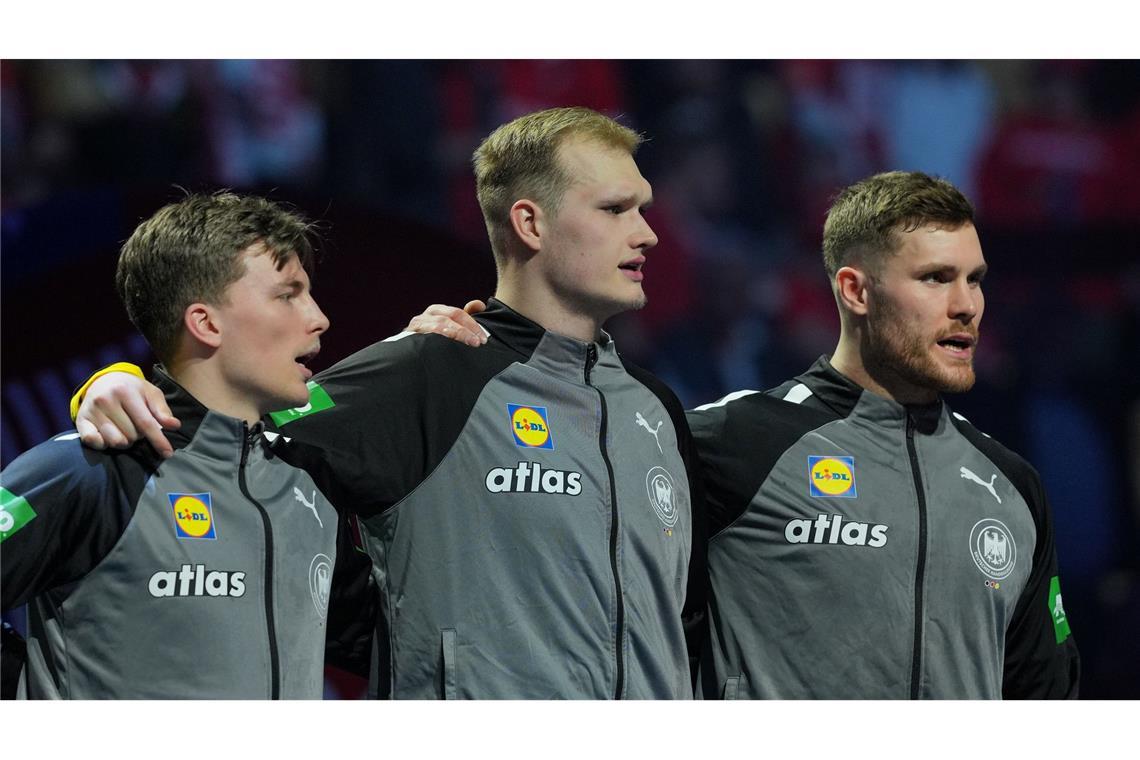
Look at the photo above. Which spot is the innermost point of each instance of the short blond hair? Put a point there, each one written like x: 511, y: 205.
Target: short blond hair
x: 866, y: 219
x: 520, y: 160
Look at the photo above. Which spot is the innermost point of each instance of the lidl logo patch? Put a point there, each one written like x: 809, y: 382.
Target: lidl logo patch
x: 15, y: 513
x: 193, y: 515
x: 319, y: 400
x: 530, y: 426
x: 832, y: 477
x: 1057, y: 610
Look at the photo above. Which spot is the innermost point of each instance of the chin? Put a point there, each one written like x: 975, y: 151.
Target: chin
x: 959, y: 383
x: 292, y: 399
x: 633, y: 303
x: 949, y: 379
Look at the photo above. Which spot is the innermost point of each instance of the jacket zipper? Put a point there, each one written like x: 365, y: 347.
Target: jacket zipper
x: 247, y: 442
x: 920, y: 574
x: 591, y: 360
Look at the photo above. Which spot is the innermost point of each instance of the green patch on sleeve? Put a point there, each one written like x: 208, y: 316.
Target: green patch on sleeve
x: 1057, y: 610
x: 319, y: 400
x: 15, y: 513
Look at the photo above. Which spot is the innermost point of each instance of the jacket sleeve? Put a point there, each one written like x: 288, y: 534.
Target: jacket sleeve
x: 361, y: 437
x: 381, y: 420
x: 63, y: 510
x: 1041, y: 658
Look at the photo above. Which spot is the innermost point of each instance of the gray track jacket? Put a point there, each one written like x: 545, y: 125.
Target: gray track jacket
x: 527, y: 508
x: 863, y: 549
x: 203, y: 576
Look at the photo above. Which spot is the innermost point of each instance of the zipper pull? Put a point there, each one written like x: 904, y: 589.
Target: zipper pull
x: 591, y: 360
x: 247, y: 436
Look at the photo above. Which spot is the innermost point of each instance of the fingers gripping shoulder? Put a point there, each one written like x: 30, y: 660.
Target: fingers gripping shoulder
x: 77, y: 398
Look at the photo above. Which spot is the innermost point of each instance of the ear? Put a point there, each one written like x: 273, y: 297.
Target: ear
x: 851, y: 289
x: 202, y: 324
x: 527, y: 222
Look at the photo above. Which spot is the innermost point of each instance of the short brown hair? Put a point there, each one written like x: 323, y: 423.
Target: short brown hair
x: 864, y: 222
x: 190, y: 251
x: 520, y: 160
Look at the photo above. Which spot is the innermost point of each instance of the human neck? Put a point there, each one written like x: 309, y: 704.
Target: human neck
x: 538, y: 304
x: 849, y: 360
x: 201, y: 380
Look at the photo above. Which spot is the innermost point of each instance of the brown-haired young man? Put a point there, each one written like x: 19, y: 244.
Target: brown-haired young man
x: 527, y: 506
x: 204, y: 574
x: 866, y: 541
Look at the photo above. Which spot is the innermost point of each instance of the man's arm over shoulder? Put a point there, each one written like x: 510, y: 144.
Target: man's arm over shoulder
x: 64, y: 508
x: 379, y: 421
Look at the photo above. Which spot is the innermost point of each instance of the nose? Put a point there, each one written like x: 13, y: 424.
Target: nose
x: 645, y: 238
x: 320, y: 322
x: 966, y: 301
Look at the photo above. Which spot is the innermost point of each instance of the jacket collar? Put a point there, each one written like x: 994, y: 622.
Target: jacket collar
x: 198, y: 421
x: 842, y: 394
x: 546, y: 350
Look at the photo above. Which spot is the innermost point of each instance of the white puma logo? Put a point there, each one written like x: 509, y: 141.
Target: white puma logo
x: 641, y: 421
x: 988, y: 486
x: 310, y: 504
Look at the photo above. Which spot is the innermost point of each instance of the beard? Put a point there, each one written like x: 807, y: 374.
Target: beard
x: 897, y: 351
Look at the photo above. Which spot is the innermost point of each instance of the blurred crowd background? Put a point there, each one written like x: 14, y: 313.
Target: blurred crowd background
x: 744, y: 158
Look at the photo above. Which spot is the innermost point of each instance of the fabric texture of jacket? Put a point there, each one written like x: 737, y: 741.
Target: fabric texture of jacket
x: 206, y: 575
x: 527, y: 508
x: 863, y: 549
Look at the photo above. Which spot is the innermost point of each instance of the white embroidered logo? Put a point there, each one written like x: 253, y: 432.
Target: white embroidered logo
x: 310, y: 504
x: 993, y: 548
x: 659, y: 485
x: 645, y: 424
x: 968, y: 475
x: 320, y: 581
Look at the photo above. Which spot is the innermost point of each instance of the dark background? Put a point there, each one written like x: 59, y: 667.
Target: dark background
x: 744, y: 157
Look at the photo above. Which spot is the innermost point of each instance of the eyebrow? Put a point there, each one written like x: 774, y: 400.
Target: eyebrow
x: 629, y: 199
x: 933, y: 267
x: 293, y: 283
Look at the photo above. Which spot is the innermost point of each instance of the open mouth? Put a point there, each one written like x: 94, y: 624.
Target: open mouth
x: 304, y: 359
x: 960, y: 344
x: 633, y: 268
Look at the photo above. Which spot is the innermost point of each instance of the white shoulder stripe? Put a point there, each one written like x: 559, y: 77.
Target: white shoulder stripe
x: 960, y: 417
x: 406, y: 333
x: 66, y: 437
x: 730, y: 397
x: 271, y: 436
x: 797, y: 394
